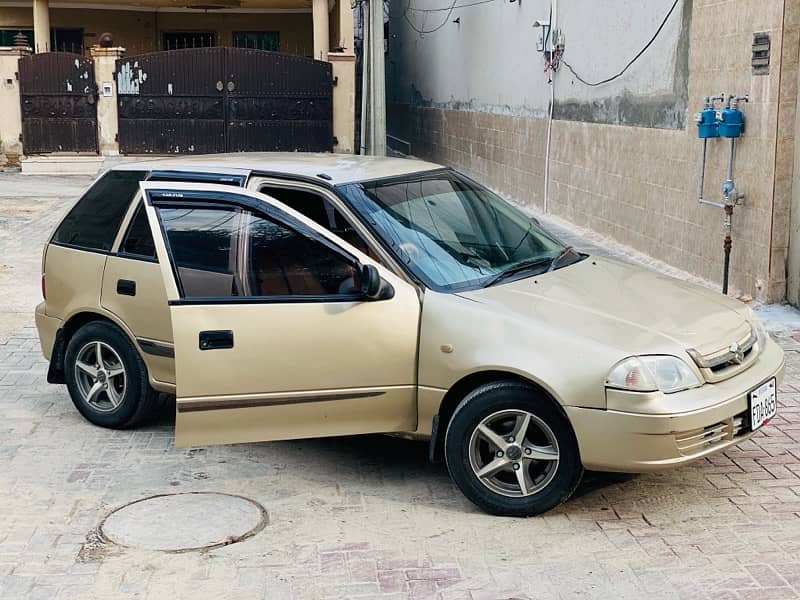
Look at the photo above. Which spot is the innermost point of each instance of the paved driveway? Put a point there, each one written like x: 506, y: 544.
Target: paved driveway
x: 363, y: 516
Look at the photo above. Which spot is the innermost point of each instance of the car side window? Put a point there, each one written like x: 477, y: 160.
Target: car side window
x: 139, y: 238
x: 322, y: 211
x: 223, y: 252
x: 94, y: 221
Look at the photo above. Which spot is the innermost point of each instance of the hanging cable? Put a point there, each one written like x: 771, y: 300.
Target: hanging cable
x: 423, y: 31
x: 446, y: 8
x: 633, y: 60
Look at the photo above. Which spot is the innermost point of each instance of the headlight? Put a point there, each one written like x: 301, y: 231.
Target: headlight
x: 651, y: 374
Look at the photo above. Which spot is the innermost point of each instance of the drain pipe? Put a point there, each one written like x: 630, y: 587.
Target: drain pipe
x: 547, y: 146
x: 549, y: 40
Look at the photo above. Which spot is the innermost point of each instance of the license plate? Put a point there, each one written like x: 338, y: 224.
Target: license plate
x: 763, y: 403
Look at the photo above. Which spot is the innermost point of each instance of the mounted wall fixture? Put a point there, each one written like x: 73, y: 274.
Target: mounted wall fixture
x: 727, y: 123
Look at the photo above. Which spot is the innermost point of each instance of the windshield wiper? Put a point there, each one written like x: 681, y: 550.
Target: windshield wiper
x: 551, y: 262
x: 518, y: 268
x: 557, y: 260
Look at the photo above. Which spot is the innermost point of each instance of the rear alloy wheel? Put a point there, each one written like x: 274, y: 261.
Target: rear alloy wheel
x: 107, y: 378
x: 512, y: 452
x: 100, y: 376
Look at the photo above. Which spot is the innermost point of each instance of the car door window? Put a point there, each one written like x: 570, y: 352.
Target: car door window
x: 323, y: 212
x: 203, y: 244
x: 224, y: 252
x: 139, y: 239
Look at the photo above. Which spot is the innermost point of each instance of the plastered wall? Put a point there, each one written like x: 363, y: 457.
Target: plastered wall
x: 635, y: 180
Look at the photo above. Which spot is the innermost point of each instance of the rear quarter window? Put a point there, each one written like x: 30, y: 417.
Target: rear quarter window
x: 94, y: 221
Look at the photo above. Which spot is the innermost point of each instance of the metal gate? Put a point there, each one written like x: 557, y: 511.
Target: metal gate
x: 209, y: 100
x: 59, y: 109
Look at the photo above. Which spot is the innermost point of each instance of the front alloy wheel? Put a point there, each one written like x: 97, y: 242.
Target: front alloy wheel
x: 514, y: 453
x: 511, y: 451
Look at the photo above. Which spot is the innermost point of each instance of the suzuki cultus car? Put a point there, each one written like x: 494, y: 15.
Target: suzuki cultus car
x: 285, y: 296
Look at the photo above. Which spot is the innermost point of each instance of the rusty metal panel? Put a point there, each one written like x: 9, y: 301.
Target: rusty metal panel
x: 278, y: 102
x: 172, y: 102
x: 58, y: 97
x: 223, y: 99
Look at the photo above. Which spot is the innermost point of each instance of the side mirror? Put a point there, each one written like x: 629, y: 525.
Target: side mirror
x: 372, y: 286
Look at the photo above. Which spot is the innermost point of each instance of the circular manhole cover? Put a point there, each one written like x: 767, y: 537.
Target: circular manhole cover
x: 183, y: 522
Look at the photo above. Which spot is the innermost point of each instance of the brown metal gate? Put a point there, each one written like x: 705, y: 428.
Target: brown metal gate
x: 59, y: 109
x: 209, y: 100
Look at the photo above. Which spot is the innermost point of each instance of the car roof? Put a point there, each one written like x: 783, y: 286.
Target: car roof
x: 334, y: 168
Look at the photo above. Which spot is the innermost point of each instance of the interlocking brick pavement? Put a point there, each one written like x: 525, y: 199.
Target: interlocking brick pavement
x: 369, y: 517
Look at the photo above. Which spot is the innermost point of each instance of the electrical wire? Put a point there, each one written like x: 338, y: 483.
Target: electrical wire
x: 432, y: 10
x: 633, y: 60
x: 435, y: 29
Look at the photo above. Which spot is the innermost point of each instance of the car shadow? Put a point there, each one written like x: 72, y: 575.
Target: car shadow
x: 387, y: 464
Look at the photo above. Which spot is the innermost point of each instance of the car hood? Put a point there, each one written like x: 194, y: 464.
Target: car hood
x: 633, y: 309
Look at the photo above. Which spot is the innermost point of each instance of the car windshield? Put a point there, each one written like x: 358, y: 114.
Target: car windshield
x: 453, y: 234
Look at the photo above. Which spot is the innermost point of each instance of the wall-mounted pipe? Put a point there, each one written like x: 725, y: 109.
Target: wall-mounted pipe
x: 707, y: 127
x: 728, y: 123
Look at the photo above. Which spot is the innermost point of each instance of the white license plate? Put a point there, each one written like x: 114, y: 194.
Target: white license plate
x: 763, y: 403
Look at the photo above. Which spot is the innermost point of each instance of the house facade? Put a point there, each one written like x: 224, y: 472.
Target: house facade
x: 166, y: 77
x: 587, y: 110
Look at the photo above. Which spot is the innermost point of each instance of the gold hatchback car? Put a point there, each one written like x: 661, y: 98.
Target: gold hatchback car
x: 285, y: 296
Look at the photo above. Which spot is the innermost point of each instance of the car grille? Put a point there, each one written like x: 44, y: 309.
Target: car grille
x: 724, y: 363
x: 697, y: 440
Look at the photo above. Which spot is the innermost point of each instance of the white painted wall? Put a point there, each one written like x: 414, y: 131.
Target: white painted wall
x: 490, y: 61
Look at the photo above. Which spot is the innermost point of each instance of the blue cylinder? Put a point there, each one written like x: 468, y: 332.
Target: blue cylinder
x: 731, y: 123
x: 707, y: 124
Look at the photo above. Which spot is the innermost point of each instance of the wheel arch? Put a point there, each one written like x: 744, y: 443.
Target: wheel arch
x: 72, y: 324
x: 461, y: 388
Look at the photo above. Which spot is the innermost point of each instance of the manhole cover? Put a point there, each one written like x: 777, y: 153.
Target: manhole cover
x: 183, y: 522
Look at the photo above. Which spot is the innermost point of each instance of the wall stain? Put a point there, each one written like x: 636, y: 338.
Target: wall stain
x: 662, y: 111
x: 656, y: 111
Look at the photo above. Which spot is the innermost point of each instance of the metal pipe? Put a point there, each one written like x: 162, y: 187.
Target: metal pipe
x: 703, y: 169
x: 726, y: 246
x: 700, y: 198
x: 708, y: 102
x: 727, y: 265
x: 731, y: 158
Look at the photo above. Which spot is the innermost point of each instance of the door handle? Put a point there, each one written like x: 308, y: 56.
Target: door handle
x: 126, y: 287
x: 216, y: 340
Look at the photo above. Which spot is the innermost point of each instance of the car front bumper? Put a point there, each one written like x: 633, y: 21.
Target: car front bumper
x: 633, y: 442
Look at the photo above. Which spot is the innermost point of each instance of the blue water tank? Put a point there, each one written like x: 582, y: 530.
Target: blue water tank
x: 731, y: 123
x: 707, y: 124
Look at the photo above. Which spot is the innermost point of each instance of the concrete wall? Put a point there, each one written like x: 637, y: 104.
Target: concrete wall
x: 10, y: 115
x: 140, y: 32
x: 489, y: 62
x: 637, y: 182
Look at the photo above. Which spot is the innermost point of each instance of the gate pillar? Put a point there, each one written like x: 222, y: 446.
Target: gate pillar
x: 10, y: 113
x: 105, y: 60
x: 321, y: 23
x: 344, y: 101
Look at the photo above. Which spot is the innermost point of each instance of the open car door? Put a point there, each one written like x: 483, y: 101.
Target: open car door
x: 274, y: 338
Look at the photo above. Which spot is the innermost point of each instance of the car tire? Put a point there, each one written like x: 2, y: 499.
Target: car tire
x: 490, y: 458
x: 127, y: 398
